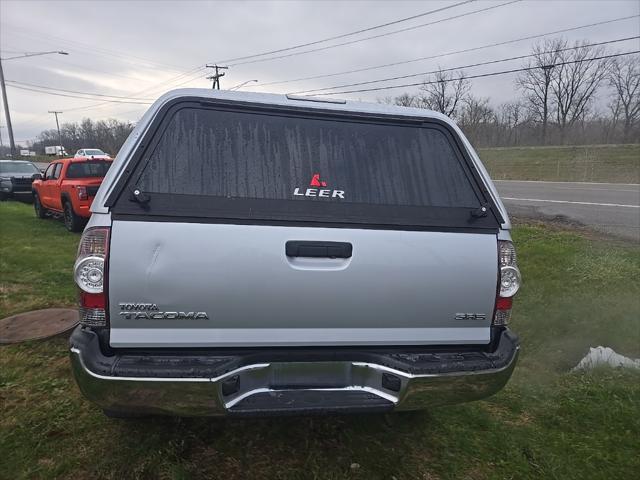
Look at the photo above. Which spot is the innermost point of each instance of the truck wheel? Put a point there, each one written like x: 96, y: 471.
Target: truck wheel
x: 3, y: 196
x: 41, y: 212
x: 72, y: 221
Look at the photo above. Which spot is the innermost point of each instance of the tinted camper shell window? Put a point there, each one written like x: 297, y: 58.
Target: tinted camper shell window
x: 261, y: 165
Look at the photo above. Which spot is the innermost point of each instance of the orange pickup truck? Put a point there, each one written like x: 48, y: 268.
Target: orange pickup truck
x: 68, y: 187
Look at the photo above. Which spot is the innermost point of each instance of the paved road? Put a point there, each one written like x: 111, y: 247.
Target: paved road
x: 608, y: 207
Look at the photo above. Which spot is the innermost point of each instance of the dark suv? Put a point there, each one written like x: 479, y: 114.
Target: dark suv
x: 16, y: 177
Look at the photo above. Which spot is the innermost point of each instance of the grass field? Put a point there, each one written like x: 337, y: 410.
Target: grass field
x: 589, y: 163
x: 547, y: 422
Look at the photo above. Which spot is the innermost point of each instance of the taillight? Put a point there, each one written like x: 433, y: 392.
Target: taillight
x: 89, y: 273
x: 509, y: 282
x: 82, y: 193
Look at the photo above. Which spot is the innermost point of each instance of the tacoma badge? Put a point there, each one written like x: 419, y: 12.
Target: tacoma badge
x: 150, y: 311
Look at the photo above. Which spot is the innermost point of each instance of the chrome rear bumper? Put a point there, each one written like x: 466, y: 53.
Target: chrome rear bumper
x: 282, y: 387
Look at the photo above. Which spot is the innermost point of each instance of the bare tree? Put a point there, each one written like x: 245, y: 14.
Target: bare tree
x: 444, y: 92
x: 406, y: 100
x: 403, y: 100
x: 574, y: 82
x: 477, y: 119
x: 559, y: 104
x: 536, y: 82
x: 624, y: 78
x: 511, y: 116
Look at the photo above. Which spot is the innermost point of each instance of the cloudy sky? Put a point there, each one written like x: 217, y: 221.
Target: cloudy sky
x: 127, y: 51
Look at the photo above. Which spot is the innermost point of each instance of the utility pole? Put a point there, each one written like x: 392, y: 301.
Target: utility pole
x: 216, y: 76
x: 4, y: 92
x: 12, y: 143
x: 59, y: 136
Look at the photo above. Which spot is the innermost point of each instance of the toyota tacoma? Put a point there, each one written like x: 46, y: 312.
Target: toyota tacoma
x: 259, y: 254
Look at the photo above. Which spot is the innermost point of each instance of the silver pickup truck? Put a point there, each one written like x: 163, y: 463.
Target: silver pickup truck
x: 258, y: 254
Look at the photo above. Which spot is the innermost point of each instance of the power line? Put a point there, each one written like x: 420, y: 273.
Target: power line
x: 102, y: 104
x: 187, y: 81
x: 466, y: 50
x: 356, y: 32
x: 137, y: 110
x: 192, y: 73
x: 118, y: 55
x: 491, y: 74
x: 95, y: 106
x: 152, y: 87
x: 92, y: 48
x: 88, y: 95
x: 46, y: 87
x: 376, y: 36
x: 473, y: 65
x: 76, y: 96
x: 87, y: 47
x: 155, y: 87
x: 91, y: 96
x: 30, y: 119
x: 85, y: 68
x: 97, y: 50
x: 167, y: 82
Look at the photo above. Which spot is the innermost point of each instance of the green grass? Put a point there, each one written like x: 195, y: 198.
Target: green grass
x: 588, y: 163
x: 547, y: 422
x: 36, y: 259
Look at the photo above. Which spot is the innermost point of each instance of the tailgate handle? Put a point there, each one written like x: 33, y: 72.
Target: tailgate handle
x: 299, y: 248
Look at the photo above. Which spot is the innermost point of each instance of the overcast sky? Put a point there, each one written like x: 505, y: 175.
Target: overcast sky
x: 142, y: 49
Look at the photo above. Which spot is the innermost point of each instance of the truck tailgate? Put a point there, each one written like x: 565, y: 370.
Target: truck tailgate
x: 398, y: 287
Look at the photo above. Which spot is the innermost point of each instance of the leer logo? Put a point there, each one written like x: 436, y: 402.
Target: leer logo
x: 318, y: 192
x: 316, y: 182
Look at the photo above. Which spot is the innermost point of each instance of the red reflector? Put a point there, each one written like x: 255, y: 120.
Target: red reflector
x: 92, y: 300
x: 504, y: 303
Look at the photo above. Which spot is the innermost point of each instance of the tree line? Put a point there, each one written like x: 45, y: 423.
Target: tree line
x: 560, y: 88
x: 107, y: 135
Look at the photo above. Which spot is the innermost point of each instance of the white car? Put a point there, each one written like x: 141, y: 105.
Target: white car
x: 95, y: 153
